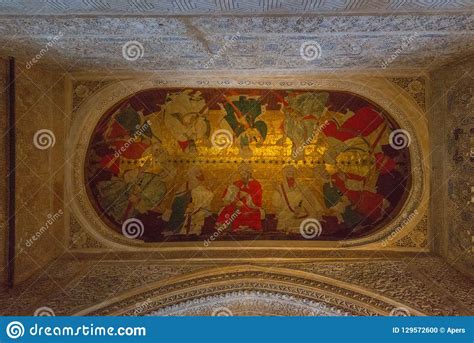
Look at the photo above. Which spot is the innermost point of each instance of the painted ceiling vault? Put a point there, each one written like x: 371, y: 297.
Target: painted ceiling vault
x: 244, y: 35
x: 263, y: 157
x: 173, y: 164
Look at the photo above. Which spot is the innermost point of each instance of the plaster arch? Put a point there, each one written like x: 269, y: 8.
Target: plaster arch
x: 320, y: 294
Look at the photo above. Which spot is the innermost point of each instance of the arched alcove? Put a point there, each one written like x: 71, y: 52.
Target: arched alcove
x: 210, y: 290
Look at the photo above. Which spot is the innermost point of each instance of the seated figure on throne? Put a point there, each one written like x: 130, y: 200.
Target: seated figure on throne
x: 289, y: 202
x: 190, y: 207
x: 242, y: 203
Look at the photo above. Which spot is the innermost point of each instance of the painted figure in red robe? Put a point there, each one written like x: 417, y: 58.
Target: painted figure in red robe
x: 244, y: 198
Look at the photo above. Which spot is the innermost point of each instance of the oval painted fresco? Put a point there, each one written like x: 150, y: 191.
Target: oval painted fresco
x: 240, y: 164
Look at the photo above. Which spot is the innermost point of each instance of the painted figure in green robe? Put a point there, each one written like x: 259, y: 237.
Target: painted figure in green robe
x: 242, y: 116
x: 134, y: 193
x: 190, y: 206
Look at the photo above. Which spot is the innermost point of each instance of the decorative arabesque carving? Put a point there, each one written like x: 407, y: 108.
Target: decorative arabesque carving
x: 250, y: 278
x: 79, y: 238
x: 228, y: 7
x: 415, y: 86
x: 460, y: 168
x: 423, y: 285
x: 82, y: 90
x: 244, y: 303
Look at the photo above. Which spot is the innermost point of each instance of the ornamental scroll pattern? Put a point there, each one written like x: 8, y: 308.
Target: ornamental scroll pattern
x: 244, y: 303
x: 80, y: 238
x: 233, y: 282
x: 415, y: 86
x: 82, y: 90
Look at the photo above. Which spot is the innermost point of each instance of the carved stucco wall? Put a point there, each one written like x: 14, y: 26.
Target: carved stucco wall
x: 233, y: 7
x: 39, y: 172
x: 3, y: 170
x: 422, y: 284
x: 452, y: 131
x: 405, y: 39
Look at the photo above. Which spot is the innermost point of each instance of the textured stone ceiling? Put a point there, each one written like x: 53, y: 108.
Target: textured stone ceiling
x: 192, y: 7
x: 245, y: 35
